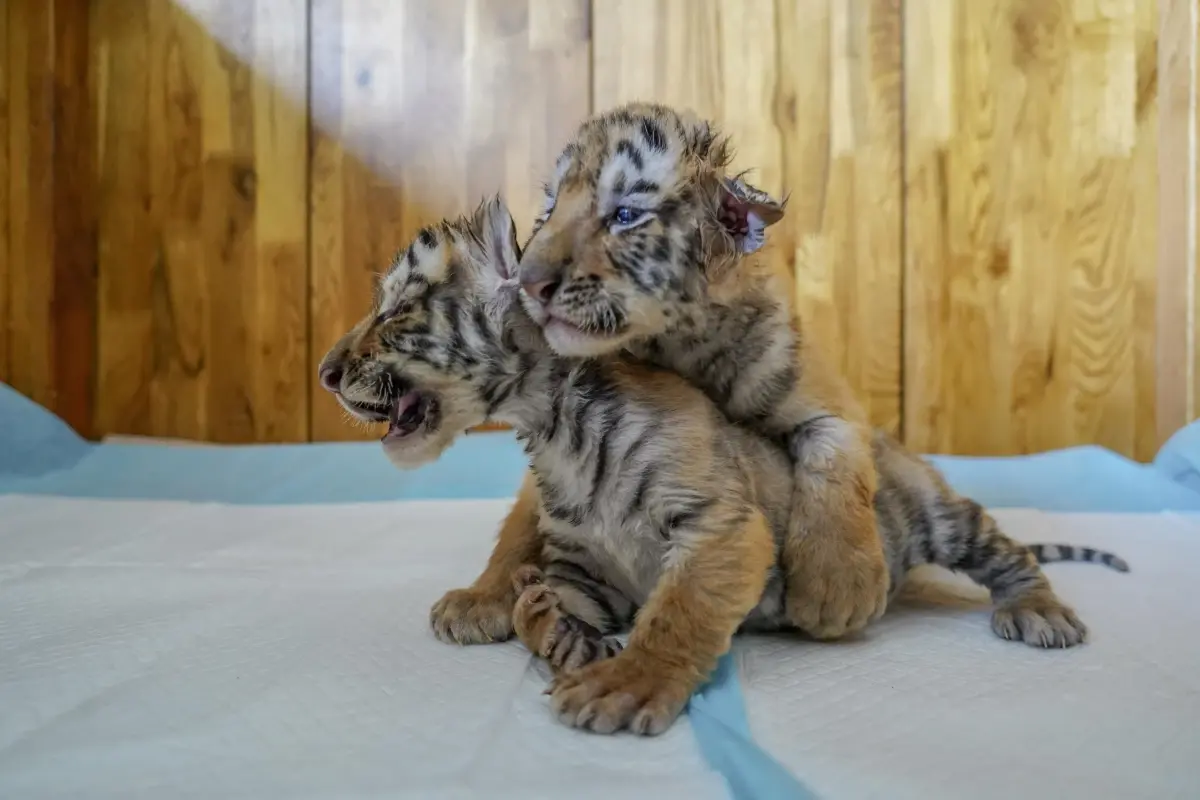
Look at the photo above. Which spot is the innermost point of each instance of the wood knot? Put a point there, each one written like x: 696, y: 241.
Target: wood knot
x: 245, y: 182
x: 1000, y: 264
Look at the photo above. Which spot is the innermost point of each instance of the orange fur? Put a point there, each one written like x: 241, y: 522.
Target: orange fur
x: 482, y: 613
x: 685, y: 626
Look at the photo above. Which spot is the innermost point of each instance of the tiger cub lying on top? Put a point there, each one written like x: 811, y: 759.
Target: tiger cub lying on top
x: 655, y: 508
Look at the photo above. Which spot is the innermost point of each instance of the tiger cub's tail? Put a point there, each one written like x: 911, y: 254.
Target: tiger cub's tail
x: 1049, y: 553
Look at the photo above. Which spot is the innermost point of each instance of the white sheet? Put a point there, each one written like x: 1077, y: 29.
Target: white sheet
x: 931, y: 704
x: 164, y: 649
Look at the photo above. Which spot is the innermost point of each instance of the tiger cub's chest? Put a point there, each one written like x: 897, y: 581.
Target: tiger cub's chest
x: 617, y: 536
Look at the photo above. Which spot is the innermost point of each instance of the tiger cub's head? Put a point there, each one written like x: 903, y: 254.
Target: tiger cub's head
x: 415, y: 361
x: 639, y: 215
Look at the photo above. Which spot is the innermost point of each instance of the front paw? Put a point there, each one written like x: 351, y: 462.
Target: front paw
x: 627, y: 691
x: 564, y: 641
x: 473, y: 616
x: 835, y: 589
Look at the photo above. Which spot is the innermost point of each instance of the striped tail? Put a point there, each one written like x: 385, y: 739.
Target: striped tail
x: 1049, y: 553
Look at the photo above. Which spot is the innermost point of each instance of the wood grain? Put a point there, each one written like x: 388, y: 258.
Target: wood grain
x: 1177, y: 266
x: 203, y: 228
x: 30, y: 51
x: 48, y: 290
x: 1031, y: 159
x: 1008, y: 213
x: 819, y: 122
x: 420, y: 109
x: 5, y: 180
x: 1193, y: 410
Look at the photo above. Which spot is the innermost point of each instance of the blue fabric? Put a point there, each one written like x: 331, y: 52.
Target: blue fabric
x: 1075, y: 479
x: 1179, y: 458
x: 40, y: 455
x: 718, y: 716
x: 33, y: 441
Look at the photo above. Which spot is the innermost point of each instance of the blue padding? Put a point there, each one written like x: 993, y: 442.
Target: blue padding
x: 718, y: 716
x: 477, y: 466
x: 1075, y: 479
x: 33, y: 441
x: 1179, y: 458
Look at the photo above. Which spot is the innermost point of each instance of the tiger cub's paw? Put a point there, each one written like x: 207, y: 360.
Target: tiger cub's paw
x: 836, y: 588
x: 473, y: 616
x: 563, y: 640
x: 627, y: 692
x: 1039, y: 620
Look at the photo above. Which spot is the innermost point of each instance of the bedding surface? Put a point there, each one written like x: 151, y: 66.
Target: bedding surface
x: 164, y: 648
x: 251, y: 621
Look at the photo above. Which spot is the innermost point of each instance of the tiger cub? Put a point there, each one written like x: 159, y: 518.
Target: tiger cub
x: 655, y: 511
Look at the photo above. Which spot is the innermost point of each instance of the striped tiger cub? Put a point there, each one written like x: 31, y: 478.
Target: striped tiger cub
x: 653, y: 510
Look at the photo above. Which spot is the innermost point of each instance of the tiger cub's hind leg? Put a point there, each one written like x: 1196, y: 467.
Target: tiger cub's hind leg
x: 1027, y: 609
x: 545, y: 624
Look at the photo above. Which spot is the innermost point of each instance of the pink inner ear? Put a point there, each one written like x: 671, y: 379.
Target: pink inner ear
x: 734, y: 216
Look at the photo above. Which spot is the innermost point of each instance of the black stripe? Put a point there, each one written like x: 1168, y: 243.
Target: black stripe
x: 971, y: 525
x: 628, y: 265
x: 639, y: 495
x: 579, y: 421
x: 687, y: 516
x: 610, y: 427
x: 497, y: 394
x: 655, y: 138
x: 649, y: 432
x: 588, y: 586
x: 626, y: 147
x: 662, y: 249
x: 643, y: 186
x: 426, y: 237
x: 480, y: 321
x: 1086, y: 553
x: 572, y: 515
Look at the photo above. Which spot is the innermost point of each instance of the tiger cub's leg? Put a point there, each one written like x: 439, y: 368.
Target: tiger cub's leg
x: 965, y: 538
x: 482, y: 613
x: 551, y: 618
x: 715, y: 577
x: 837, y: 573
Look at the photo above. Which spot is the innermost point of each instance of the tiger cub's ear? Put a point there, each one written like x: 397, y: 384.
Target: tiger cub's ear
x: 496, y: 232
x: 745, y: 212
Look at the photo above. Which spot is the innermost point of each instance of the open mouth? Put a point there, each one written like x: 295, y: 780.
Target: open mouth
x: 368, y: 412
x: 413, y: 411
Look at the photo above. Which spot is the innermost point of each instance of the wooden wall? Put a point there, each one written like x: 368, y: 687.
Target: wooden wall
x: 196, y: 194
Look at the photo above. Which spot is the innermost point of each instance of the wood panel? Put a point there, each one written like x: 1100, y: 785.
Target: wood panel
x: 174, y: 258
x: 47, y: 283
x: 5, y: 180
x: 820, y: 122
x: 1193, y: 408
x: 203, y: 224
x: 1031, y: 163
x: 1177, y: 264
x: 419, y: 109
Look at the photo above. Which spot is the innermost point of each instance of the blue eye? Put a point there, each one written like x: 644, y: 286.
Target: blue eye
x: 624, y: 215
